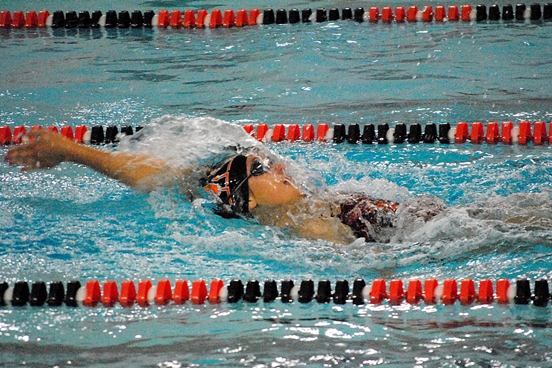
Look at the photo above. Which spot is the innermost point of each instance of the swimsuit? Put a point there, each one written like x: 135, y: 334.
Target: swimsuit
x: 366, y: 216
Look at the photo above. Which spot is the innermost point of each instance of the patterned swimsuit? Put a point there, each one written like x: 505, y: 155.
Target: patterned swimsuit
x: 366, y: 216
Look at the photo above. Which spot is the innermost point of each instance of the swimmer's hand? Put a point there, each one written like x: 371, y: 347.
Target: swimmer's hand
x: 43, y: 149
x: 39, y: 150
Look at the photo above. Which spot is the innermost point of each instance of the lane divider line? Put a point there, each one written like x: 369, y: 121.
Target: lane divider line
x: 177, y: 19
x: 430, y: 291
x: 524, y: 133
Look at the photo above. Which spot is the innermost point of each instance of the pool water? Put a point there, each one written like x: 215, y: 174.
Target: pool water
x: 71, y: 223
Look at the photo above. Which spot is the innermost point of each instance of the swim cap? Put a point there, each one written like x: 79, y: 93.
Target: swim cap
x: 229, y: 183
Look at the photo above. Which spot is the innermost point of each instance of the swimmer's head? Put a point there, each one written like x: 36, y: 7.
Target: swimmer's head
x: 249, y: 179
x: 229, y: 182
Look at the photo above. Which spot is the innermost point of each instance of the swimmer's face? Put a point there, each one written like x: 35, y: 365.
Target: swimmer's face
x: 269, y: 185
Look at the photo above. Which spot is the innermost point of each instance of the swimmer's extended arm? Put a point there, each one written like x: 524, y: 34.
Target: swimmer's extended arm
x: 46, y: 150
x: 329, y: 229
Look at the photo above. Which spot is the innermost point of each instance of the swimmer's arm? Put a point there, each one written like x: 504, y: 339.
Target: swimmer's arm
x: 45, y: 150
x: 330, y: 229
x: 141, y: 172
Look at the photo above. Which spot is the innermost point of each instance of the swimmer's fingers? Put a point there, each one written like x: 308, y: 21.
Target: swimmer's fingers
x: 38, y: 151
x: 23, y: 155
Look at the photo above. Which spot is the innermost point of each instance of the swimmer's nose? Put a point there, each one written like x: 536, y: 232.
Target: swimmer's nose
x: 278, y: 168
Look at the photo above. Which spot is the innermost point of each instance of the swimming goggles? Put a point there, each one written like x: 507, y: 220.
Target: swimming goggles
x: 258, y: 168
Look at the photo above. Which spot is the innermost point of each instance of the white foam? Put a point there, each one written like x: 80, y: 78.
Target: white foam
x: 188, y: 141
x: 377, y: 188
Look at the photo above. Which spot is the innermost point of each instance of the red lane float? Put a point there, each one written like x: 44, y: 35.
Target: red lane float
x: 181, y: 292
x: 414, y: 292
x: 241, y: 18
x: 143, y: 298
x: 493, y: 135
x: 308, y: 133
x: 411, y: 14
x: 400, y: 14
x: 229, y: 19
x: 128, y: 294
x: 507, y: 128
x: 322, y: 132
x: 373, y: 14
x: 502, y: 291
x: 440, y: 13
x: 80, y: 132
x: 43, y: 18
x: 199, y: 292
x: 5, y: 19
x: 163, y: 292
x: 461, y: 132
x: 111, y: 294
x: 216, y: 19
x: 18, y: 19
x: 396, y: 292
x: 279, y: 133
x: 386, y: 14
x: 525, y: 135
x: 540, y: 136
x: 426, y: 15
x: 466, y: 13
x: 176, y: 19
x: 254, y: 16
x: 5, y: 135
x: 202, y: 16
x: 93, y: 293
x: 378, y: 292
x: 431, y: 293
x: 262, y: 129
x: 249, y: 129
x: 453, y: 14
x: 18, y: 133
x: 163, y: 19
x: 189, y: 19
x: 215, y: 291
x: 31, y: 19
x: 477, y: 135
x: 485, y: 295
x: 294, y: 133
x: 450, y: 292
x: 467, y: 292
x: 67, y: 132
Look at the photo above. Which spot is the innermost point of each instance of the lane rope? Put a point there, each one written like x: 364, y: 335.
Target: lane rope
x: 524, y: 133
x: 176, y: 19
x: 147, y: 293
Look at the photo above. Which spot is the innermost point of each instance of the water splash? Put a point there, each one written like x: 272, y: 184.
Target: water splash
x: 186, y: 142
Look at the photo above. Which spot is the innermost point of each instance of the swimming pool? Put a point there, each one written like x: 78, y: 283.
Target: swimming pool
x: 71, y: 223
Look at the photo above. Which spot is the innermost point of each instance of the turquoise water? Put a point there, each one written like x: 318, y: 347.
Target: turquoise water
x: 71, y: 223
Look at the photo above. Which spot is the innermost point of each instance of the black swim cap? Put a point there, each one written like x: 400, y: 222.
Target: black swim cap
x: 229, y: 182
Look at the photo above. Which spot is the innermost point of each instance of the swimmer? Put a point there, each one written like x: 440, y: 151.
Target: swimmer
x: 247, y: 185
